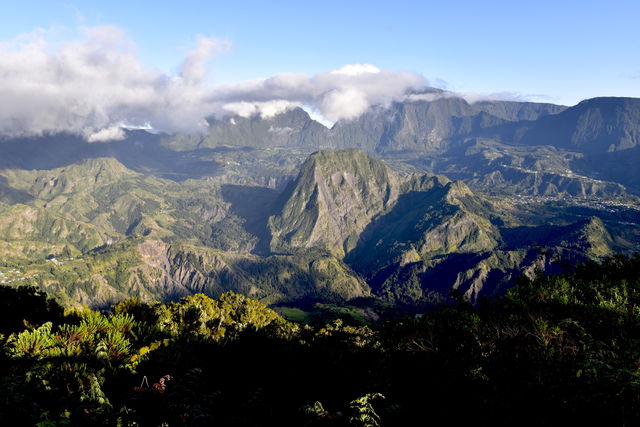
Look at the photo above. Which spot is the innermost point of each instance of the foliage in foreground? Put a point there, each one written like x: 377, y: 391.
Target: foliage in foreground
x: 555, y: 350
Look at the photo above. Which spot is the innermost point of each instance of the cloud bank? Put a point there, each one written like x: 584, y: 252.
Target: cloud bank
x: 95, y: 86
x: 340, y: 94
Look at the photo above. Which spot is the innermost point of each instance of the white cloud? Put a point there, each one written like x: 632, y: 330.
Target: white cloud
x: 356, y: 69
x: 91, y: 85
x: 281, y: 130
x: 429, y: 96
x: 113, y: 133
x: 346, y: 103
x: 338, y: 95
x: 265, y: 109
x: 315, y: 115
x: 472, y: 97
x: 95, y: 85
x: 193, y: 68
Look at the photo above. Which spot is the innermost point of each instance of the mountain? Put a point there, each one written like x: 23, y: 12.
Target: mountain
x: 347, y: 226
x: 412, y: 126
x: 83, y: 206
x: 153, y: 270
x: 589, y: 236
x: 516, y: 110
x: 140, y: 151
x: 437, y: 219
x: 334, y: 197
x: 497, y: 146
x: 416, y: 125
x: 341, y: 197
x: 489, y: 270
x: 569, y: 152
x: 292, y: 128
x: 414, y: 237
x: 95, y: 232
x: 29, y: 233
x: 597, y: 125
x: 408, y: 202
x: 505, y: 146
x: 431, y: 126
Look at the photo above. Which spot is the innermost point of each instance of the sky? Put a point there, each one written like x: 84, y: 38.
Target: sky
x: 140, y: 61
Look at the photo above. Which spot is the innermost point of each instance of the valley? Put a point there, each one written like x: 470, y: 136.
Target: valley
x: 400, y: 205
x: 319, y: 214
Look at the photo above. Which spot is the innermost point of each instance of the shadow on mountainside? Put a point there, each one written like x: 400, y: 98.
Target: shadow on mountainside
x: 617, y: 166
x: 254, y: 205
x: 386, y: 237
x: 140, y: 151
x: 11, y: 195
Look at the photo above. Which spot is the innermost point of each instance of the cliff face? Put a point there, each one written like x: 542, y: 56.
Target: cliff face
x: 156, y: 271
x: 418, y: 124
x: 340, y: 195
x: 182, y: 270
x: 334, y: 197
x: 597, y: 125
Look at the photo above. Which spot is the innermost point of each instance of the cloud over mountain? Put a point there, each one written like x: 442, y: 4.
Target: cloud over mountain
x: 96, y: 85
x: 93, y: 86
x: 344, y: 93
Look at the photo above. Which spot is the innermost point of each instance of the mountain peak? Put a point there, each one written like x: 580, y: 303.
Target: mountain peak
x: 335, y: 195
x: 608, y: 101
x: 594, y: 125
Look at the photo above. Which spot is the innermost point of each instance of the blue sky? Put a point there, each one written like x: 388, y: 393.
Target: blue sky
x: 556, y: 51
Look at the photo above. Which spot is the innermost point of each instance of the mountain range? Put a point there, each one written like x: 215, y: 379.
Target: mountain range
x: 400, y: 205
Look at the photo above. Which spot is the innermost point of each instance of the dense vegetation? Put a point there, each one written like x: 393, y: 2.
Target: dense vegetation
x: 556, y: 350
x: 95, y: 232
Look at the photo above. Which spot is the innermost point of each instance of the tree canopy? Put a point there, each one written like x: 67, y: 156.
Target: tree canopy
x: 554, y: 350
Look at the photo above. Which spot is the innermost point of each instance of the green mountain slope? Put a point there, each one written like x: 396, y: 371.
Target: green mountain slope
x: 156, y: 271
x: 99, y: 200
x: 28, y: 233
x: 416, y: 237
x: 444, y: 219
x: 334, y: 197
x: 347, y: 226
x: 482, y: 273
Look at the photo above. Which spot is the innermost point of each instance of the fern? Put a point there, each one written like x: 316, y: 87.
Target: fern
x: 363, y: 413
x: 32, y: 343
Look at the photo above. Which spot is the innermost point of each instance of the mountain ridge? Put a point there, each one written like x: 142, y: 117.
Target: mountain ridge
x: 463, y: 211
